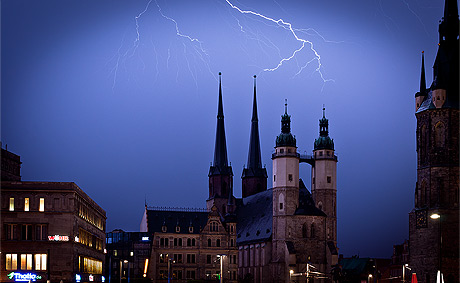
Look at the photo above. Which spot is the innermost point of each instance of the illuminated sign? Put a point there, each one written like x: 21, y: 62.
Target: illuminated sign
x: 77, y: 277
x: 24, y: 277
x: 91, y: 277
x: 103, y: 279
x: 145, y: 238
x: 58, y: 238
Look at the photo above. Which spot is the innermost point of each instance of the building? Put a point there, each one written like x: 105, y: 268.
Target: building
x: 269, y: 235
x: 128, y: 256
x: 50, y: 231
x: 434, y: 221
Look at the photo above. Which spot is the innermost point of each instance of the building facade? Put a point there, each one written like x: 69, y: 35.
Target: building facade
x: 434, y: 221
x: 269, y: 235
x: 50, y: 231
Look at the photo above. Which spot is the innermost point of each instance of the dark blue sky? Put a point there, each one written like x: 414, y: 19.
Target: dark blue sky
x: 110, y: 95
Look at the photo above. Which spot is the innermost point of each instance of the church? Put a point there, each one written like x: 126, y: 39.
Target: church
x: 281, y: 234
x: 434, y: 221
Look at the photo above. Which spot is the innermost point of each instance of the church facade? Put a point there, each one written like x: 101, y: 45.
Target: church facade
x: 279, y: 234
x: 434, y: 221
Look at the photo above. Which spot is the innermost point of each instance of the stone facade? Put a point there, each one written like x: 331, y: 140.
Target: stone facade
x: 434, y: 241
x: 51, y: 229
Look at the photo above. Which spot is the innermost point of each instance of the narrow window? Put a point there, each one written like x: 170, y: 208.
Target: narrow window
x: 274, y: 178
x: 218, y: 243
x: 26, y: 261
x: 329, y: 179
x: 42, y: 204
x: 208, y: 259
x: 11, y: 261
x: 281, y: 206
x: 40, y: 262
x: 193, y: 242
x: 189, y: 242
x: 11, y: 204
x: 209, y: 242
x: 290, y: 177
x: 26, y: 204
x: 320, y: 153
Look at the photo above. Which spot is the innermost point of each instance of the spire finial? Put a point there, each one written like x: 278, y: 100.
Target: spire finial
x: 324, y: 111
x: 422, y: 76
x: 285, y: 106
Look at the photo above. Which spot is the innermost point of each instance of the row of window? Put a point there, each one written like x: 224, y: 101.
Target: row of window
x: 89, y: 265
x: 27, y: 205
x: 88, y: 239
x: 25, y: 232
x: 88, y: 214
x: 191, y: 274
x: 177, y: 242
x: 27, y: 261
x: 192, y: 258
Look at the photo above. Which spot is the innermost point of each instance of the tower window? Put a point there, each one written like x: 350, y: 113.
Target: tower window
x: 274, y: 179
x: 290, y: 177
x: 281, y: 150
x: 320, y: 153
x: 281, y: 206
x: 329, y: 179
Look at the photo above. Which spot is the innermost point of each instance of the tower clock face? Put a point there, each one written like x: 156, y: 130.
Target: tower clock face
x: 421, y: 219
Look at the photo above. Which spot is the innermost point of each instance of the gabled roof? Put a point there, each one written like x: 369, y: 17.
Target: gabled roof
x: 254, y: 214
x: 156, y: 219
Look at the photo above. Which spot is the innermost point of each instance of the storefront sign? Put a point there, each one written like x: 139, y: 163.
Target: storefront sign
x: 24, y: 276
x: 103, y: 279
x: 77, y: 277
x: 91, y: 277
x: 145, y: 238
x: 58, y: 238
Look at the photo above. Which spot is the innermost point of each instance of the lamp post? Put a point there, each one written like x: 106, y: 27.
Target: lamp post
x: 290, y: 274
x: 437, y: 216
x: 221, y: 258
x: 369, y: 277
x: 404, y: 272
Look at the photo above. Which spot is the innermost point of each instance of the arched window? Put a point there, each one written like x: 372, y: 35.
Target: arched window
x: 320, y: 205
x: 193, y: 242
x: 439, y: 136
x: 218, y: 243
x: 312, y: 230
x: 304, y: 230
x: 281, y: 202
x: 189, y: 242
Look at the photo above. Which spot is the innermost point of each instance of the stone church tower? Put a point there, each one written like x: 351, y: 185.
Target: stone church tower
x: 434, y: 221
x: 285, y: 196
x: 324, y: 178
x: 254, y: 177
x: 220, y: 173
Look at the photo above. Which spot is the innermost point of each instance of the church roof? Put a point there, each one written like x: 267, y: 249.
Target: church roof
x: 157, y: 218
x: 306, y: 203
x: 254, y: 214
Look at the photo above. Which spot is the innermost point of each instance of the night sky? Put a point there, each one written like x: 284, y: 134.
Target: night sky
x: 120, y: 97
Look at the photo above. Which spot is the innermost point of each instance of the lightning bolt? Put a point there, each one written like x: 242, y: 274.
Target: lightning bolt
x: 294, y: 32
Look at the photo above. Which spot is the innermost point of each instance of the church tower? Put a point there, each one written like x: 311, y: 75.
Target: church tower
x: 324, y: 178
x: 254, y: 177
x: 434, y: 221
x: 285, y: 195
x: 220, y: 173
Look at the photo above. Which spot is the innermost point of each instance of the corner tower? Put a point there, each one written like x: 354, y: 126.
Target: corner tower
x: 220, y: 173
x: 434, y: 242
x: 254, y: 177
x: 324, y: 178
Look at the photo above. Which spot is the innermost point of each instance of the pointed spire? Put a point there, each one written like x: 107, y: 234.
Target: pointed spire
x: 254, y: 156
x: 285, y: 138
x: 220, y: 149
x: 422, y: 77
x: 324, y: 141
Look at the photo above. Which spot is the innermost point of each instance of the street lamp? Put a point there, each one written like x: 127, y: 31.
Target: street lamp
x: 290, y: 274
x: 404, y: 271
x: 369, y: 278
x: 437, y: 216
x: 221, y: 258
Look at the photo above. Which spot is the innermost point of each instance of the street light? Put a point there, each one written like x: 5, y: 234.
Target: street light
x: 290, y: 274
x: 437, y: 216
x: 404, y: 272
x: 369, y: 277
x: 221, y: 258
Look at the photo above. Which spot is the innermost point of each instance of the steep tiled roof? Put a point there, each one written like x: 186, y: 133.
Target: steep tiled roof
x: 156, y: 219
x: 255, y: 217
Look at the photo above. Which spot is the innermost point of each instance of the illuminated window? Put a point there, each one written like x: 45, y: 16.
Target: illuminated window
x: 115, y: 253
x: 11, y: 204
x: 11, y: 261
x: 26, y: 261
x: 42, y: 204
x: 92, y: 266
x: 40, y: 262
x: 26, y: 204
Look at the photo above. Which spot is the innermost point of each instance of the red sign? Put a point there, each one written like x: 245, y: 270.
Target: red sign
x: 58, y: 238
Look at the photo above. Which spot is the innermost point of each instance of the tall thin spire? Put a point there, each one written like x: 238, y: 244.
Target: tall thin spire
x: 422, y: 77
x: 254, y: 177
x: 254, y: 156
x: 220, y: 149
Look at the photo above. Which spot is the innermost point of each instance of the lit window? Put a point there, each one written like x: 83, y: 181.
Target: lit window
x: 115, y: 253
x: 131, y: 253
x: 40, y: 262
x: 26, y: 204
x: 11, y: 204
x: 42, y: 204
x: 11, y: 261
x: 26, y: 261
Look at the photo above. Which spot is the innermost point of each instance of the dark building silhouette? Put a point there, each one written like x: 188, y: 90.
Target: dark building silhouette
x: 434, y: 241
